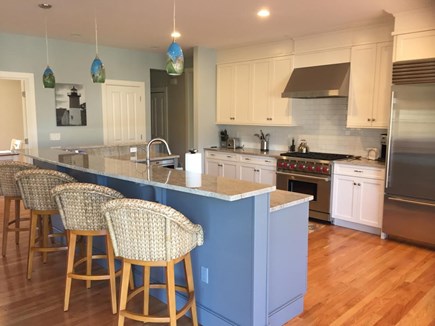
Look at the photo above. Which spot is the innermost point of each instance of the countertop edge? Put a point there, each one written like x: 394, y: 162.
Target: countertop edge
x: 280, y: 199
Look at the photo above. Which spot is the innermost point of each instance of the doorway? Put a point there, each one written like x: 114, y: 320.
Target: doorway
x: 20, y: 88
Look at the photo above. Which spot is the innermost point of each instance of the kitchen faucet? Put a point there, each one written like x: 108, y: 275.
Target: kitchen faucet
x: 148, y: 161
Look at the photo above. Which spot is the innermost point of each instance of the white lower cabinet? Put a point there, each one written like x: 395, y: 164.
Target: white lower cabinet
x: 221, y: 165
x: 243, y: 167
x: 357, y: 195
x: 256, y: 169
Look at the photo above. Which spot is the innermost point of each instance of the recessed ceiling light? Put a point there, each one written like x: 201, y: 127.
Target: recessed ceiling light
x: 263, y: 13
x: 45, y: 5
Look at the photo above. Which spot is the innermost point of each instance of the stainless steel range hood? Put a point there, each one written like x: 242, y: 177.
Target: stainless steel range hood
x: 319, y: 81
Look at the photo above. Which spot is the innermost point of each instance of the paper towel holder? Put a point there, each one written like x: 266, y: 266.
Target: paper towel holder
x: 193, y: 150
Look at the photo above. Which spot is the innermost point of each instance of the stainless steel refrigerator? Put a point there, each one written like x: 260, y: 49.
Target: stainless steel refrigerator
x: 409, y: 205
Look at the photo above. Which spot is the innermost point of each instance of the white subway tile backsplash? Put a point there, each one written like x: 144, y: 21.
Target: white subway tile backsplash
x: 321, y: 122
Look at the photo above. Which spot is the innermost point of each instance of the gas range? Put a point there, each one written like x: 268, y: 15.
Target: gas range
x: 309, y: 173
x: 310, y: 163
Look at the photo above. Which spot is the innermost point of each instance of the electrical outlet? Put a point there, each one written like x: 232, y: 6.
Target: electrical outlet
x: 204, y: 274
x: 54, y: 136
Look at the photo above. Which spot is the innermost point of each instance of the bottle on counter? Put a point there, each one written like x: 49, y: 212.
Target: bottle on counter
x: 292, y: 146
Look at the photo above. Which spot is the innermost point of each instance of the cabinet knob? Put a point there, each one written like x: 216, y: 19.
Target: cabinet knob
x: 220, y: 165
x: 373, y: 120
x: 368, y: 119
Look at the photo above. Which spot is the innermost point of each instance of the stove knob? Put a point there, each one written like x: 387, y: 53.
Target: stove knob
x: 325, y: 169
x: 301, y: 167
x: 293, y: 166
x: 319, y: 168
x: 281, y: 164
x: 310, y: 168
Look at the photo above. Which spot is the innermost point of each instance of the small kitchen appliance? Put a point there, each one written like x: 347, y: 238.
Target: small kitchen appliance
x: 309, y: 173
x: 233, y: 143
x: 372, y: 153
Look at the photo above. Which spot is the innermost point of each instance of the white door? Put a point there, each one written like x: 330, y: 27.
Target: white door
x: 27, y: 110
x: 159, y: 113
x: 123, y: 112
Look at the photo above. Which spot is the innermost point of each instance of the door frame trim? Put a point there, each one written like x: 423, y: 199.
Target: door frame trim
x: 112, y: 82
x: 28, y: 105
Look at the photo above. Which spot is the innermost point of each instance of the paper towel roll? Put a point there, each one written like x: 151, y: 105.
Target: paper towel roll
x: 193, y: 162
x: 193, y: 179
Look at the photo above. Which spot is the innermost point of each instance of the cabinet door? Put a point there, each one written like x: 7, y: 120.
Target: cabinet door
x: 382, y: 95
x: 212, y: 167
x: 362, y: 84
x: 248, y: 172
x: 280, y: 111
x: 260, y: 91
x: 268, y: 176
x: 242, y: 92
x: 371, y: 201
x: 343, y: 198
x: 225, y: 94
x: 229, y: 170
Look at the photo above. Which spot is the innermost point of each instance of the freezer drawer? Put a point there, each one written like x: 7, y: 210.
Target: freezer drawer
x: 409, y: 219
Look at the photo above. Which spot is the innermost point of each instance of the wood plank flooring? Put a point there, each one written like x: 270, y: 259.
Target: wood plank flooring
x: 354, y: 278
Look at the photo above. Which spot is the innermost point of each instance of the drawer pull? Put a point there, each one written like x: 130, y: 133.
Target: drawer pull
x: 358, y: 171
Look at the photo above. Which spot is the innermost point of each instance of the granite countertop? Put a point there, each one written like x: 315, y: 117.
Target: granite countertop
x: 247, y: 151
x: 363, y: 162
x: 280, y: 199
x: 190, y: 182
x: 7, y: 153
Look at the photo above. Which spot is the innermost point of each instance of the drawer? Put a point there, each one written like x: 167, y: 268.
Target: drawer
x: 221, y: 156
x: 264, y: 161
x: 359, y: 171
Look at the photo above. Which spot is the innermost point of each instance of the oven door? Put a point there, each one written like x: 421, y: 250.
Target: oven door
x: 317, y: 186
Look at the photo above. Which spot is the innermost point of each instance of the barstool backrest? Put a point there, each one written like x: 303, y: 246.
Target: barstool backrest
x: 8, y: 169
x: 79, y: 205
x: 35, y: 187
x: 148, y: 231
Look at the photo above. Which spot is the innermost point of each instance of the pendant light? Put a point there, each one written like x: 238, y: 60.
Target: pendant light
x: 98, y: 72
x: 48, y: 79
x: 175, y: 57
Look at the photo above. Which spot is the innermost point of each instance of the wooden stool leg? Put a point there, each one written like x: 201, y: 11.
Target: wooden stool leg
x: 88, y: 259
x: 190, y: 287
x: 170, y: 280
x: 32, y: 237
x: 146, y: 289
x: 72, y: 238
x: 6, y: 214
x: 132, y: 281
x: 44, y: 236
x: 112, y: 277
x: 17, y: 221
x: 126, y: 269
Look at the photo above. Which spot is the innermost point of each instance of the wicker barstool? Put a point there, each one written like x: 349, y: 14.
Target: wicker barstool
x: 150, y: 235
x: 35, y: 187
x: 11, y: 192
x: 80, y: 208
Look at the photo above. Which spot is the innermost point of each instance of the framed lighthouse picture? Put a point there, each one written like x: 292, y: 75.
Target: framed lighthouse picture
x: 70, y: 105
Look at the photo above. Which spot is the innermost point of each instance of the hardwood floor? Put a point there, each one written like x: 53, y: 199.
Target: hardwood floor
x: 354, y: 278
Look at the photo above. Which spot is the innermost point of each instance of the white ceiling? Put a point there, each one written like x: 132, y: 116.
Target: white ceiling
x: 147, y: 24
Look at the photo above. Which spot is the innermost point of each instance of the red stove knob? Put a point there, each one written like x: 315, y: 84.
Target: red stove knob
x: 310, y: 168
x: 281, y: 164
x: 293, y: 166
x: 301, y: 166
x: 319, y: 168
x: 325, y: 169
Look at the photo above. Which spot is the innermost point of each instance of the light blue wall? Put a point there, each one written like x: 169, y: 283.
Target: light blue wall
x: 71, y: 63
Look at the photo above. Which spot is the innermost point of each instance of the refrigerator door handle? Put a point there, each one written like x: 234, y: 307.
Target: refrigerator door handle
x: 390, y: 135
x: 411, y: 201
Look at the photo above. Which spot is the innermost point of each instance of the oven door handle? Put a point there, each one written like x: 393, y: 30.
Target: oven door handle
x: 326, y: 179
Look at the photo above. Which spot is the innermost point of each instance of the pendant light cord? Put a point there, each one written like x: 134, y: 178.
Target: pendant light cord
x: 46, y: 40
x: 96, y: 34
x: 173, y: 30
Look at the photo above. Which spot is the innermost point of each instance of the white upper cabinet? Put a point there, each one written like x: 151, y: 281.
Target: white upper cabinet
x: 414, y: 46
x: 249, y: 93
x: 370, y: 86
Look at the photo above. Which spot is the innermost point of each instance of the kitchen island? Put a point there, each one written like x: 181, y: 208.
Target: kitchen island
x: 252, y: 268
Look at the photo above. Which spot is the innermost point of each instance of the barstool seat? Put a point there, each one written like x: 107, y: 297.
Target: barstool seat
x: 35, y: 186
x: 149, y: 234
x: 80, y: 209
x: 11, y: 193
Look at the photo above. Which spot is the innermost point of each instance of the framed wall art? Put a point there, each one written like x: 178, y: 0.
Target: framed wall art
x: 70, y: 105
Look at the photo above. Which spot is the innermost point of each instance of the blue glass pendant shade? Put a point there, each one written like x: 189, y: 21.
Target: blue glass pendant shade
x: 175, y: 60
x: 98, y: 72
x: 48, y: 78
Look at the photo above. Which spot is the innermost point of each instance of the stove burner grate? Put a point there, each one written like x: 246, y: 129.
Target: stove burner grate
x: 317, y: 155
